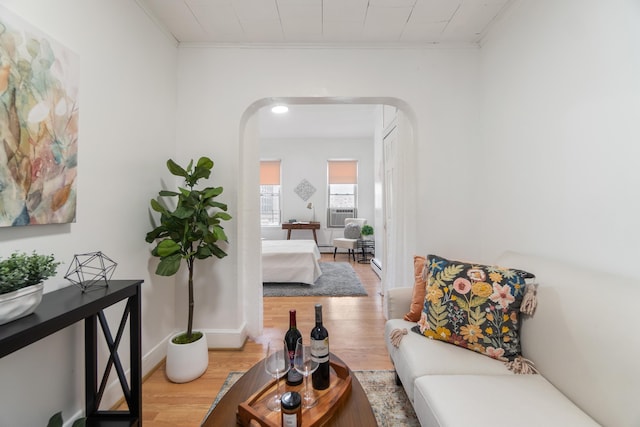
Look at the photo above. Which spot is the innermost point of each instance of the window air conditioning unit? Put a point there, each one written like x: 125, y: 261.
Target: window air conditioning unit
x: 336, y: 216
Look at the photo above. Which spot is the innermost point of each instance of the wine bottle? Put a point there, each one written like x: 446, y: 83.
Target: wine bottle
x: 291, y: 338
x: 320, y: 352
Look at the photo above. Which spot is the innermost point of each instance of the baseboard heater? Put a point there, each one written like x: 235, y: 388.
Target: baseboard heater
x: 376, y: 266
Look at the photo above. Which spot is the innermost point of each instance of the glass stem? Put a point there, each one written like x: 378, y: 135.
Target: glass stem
x: 277, y: 385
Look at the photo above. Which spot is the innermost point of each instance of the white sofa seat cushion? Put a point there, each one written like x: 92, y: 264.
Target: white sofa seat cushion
x: 418, y: 355
x: 494, y: 401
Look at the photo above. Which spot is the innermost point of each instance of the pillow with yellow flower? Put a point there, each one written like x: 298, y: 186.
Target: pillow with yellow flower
x: 475, y: 306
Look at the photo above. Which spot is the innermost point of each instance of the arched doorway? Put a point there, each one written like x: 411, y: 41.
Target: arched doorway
x: 400, y: 217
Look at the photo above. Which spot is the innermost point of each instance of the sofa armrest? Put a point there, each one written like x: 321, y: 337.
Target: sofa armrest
x: 398, y: 302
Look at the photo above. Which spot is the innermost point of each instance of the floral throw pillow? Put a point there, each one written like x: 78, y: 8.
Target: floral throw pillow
x: 474, y: 306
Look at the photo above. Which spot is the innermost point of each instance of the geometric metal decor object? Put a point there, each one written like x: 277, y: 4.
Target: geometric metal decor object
x: 305, y: 190
x: 87, y: 270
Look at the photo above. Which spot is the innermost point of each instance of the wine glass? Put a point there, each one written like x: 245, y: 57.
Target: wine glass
x: 276, y: 364
x: 306, y: 365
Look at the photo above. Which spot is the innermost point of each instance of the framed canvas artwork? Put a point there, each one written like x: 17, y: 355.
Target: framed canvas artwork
x: 39, y: 81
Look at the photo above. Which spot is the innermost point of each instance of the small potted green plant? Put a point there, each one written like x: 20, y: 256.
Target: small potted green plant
x: 191, y: 231
x: 366, y: 231
x: 21, y: 283
x: 57, y: 421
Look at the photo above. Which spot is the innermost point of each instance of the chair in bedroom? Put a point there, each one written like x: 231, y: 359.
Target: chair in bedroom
x: 349, y: 242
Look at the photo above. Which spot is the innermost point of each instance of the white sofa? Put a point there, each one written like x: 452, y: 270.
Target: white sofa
x: 584, y: 339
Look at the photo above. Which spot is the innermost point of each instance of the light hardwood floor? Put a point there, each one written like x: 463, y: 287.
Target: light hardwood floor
x: 355, y: 326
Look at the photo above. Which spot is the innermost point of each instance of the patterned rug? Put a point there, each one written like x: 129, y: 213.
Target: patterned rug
x: 389, y: 402
x: 338, y: 279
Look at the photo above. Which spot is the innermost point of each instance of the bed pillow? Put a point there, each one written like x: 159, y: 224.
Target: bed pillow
x: 474, y: 306
x: 419, y: 289
x: 352, y: 231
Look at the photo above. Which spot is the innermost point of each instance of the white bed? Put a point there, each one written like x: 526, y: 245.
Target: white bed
x: 290, y: 261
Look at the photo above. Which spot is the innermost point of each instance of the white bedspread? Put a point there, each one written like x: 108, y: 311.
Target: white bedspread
x: 294, y: 261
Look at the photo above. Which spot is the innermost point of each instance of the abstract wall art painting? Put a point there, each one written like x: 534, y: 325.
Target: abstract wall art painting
x: 39, y: 82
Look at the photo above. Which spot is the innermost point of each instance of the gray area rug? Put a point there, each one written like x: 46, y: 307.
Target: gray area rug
x: 389, y: 402
x: 338, y: 279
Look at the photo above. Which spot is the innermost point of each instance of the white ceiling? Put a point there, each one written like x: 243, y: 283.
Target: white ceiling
x: 319, y: 121
x: 326, y: 21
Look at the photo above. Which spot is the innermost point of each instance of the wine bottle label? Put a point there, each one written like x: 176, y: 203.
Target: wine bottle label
x: 289, y: 420
x: 320, y: 350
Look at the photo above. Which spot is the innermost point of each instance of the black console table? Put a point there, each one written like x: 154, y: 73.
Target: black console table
x: 64, y: 307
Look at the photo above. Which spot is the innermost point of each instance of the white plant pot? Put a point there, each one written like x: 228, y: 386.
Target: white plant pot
x: 186, y: 362
x: 20, y: 303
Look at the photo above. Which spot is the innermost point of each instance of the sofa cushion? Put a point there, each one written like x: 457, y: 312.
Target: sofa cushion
x: 495, y: 401
x: 416, y: 356
x: 474, y: 306
x: 419, y: 289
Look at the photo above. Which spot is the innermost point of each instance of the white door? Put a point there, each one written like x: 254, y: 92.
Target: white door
x: 390, y: 149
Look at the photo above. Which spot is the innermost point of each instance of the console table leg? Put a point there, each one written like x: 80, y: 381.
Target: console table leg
x: 90, y: 365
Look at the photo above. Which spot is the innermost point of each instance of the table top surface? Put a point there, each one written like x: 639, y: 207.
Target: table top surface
x: 354, y: 411
x: 286, y: 225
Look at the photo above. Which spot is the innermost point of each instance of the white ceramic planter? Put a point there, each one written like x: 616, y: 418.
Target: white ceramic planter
x: 20, y: 303
x: 186, y: 362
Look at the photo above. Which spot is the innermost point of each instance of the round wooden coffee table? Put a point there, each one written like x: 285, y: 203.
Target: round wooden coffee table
x: 354, y: 411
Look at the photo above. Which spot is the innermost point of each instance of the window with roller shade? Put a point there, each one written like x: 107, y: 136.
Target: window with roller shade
x: 270, y: 192
x: 343, y: 183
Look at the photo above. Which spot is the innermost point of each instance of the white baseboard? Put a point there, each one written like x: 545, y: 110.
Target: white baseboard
x: 226, y: 338
x: 376, y: 267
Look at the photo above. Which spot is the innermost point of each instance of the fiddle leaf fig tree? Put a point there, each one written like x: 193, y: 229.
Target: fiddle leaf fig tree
x: 190, y: 231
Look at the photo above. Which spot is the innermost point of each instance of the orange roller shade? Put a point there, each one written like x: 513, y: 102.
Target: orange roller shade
x: 343, y: 172
x: 270, y: 172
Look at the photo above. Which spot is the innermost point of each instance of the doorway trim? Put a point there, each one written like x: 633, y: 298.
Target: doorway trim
x: 249, y: 267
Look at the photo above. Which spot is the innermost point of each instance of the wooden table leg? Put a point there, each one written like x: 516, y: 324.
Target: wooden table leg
x: 289, y: 234
x: 314, y: 236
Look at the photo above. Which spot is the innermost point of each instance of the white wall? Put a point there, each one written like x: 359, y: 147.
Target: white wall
x: 307, y: 159
x: 561, y: 103
x: 127, y: 131
x: 217, y: 86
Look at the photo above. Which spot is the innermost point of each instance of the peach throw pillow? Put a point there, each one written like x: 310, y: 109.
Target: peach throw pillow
x: 419, y: 290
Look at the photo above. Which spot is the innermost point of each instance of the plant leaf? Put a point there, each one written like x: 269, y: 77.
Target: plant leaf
x: 167, y: 247
x: 169, y: 266
x: 176, y: 169
x: 55, y: 420
x: 156, y: 206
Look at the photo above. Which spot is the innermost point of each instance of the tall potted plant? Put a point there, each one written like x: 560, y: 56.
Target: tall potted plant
x: 188, y: 232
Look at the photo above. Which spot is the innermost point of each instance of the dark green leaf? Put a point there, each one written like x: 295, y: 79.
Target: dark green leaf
x: 218, y: 205
x: 167, y: 193
x: 175, y: 169
x: 183, y: 212
x: 169, y: 266
x: 80, y: 422
x: 205, y: 162
x: 220, y: 234
x: 156, y: 206
x: 155, y: 233
x: 217, y: 251
x: 204, y: 252
x: 211, y: 192
x: 223, y: 216
x: 55, y: 420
